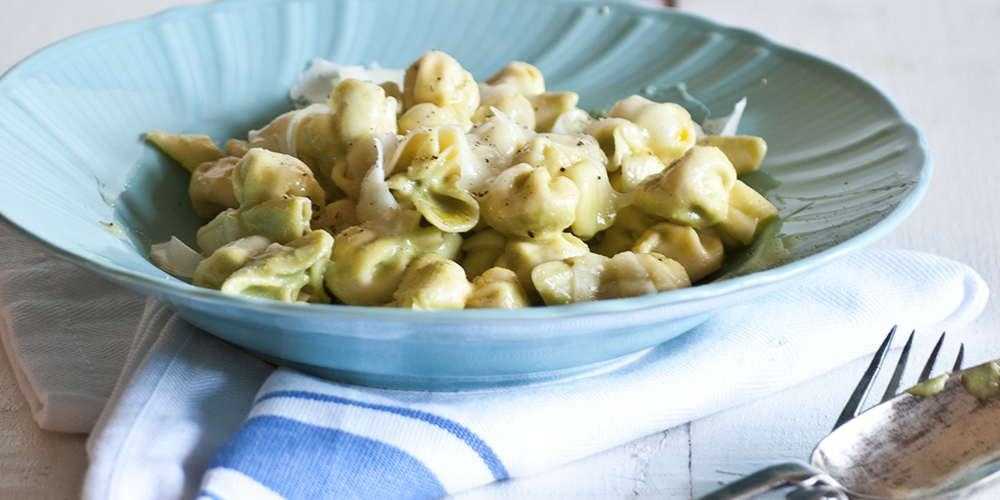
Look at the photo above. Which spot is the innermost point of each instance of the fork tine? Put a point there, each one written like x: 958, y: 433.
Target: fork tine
x: 865, y: 384
x: 897, y: 374
x: 929, y: 367
x: 958, y: 360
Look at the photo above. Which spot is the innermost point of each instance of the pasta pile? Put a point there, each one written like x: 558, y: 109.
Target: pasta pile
x: 448, y: 194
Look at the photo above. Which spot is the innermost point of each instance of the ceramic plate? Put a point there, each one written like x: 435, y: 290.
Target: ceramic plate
x: 844, y: 163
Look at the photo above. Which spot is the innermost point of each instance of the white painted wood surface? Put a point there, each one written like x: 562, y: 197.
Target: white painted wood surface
x: 939, y: 60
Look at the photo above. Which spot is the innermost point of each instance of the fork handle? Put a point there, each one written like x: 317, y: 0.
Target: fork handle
x: 813, y: 483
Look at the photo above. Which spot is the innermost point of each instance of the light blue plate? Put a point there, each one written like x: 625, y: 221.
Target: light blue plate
x: 844, y: 166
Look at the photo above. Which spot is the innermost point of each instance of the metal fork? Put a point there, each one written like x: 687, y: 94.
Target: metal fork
x: 809, y: 482
x: 857, y: 399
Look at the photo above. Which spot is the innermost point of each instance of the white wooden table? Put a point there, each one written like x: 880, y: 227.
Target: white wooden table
x: 939, y: 60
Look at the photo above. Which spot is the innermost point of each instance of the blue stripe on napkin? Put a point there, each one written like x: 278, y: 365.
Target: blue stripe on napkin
x: 288, y: 450
x: 265, y: 447
x: 458, y: 430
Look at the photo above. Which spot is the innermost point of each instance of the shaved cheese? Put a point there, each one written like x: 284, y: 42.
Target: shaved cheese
x: 175, y: 258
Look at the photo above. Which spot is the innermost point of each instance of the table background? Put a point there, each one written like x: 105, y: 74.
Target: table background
x: 939, y: 60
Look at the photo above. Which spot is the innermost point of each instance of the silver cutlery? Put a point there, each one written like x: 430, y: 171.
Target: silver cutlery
x: 938, y: 440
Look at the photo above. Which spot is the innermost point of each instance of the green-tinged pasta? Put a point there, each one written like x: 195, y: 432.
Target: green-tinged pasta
x: 694, y: 190
x: 745, y: 152
x: 497, y: 288
x: 289, y: 273
x: 671, y: 130
x: 482, y: 251
x: 215, y: 269
x: 190, y: 150
x: 521, y: 256
x: 580, y: 160
x: 528, y: 202
x: 356, y: 110
x: 432, y: 178
x: 439, y: 79
x: 438, y: 197
x: 211, y: 187
x: 630, y: 161
x: 699, y: 251
x: 223, y: 229
x: 263, y: 175
x: 571, y: 280
x: 747, y: 214
x: 432, y: 282
x: 506, y: 99
x: 590, y: 277
x: 427, y: 115
x: 277, y: 196
x: 322, y: 134
x: 630, y: 274
x: 429, y: 144
x: 281, y: 220
x: 549, y: 106
x: 367, y: 267
x: 441, y: 192
x: 526, y: 78
x: 630, y: 223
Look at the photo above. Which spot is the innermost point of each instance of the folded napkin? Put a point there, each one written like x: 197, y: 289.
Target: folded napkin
x: 194, y: 416
x: 66, y: 331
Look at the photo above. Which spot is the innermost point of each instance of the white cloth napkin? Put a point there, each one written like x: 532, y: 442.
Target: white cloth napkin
x: 66, y: 331
x: 173, y: 426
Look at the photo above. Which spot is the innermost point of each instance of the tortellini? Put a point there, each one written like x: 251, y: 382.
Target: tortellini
x: 213, y: 271
x: 693, y: 191
x: 700, y: 252
x: 367, y: 267
x: 549, y: 106
x: 321, y: 135
x: 262, y: 175
x: 670, y: 128
x: 745, y: 152
x: 190, y: 150
x: 429, y: 163
x: 434, y: 191
x: 747, y: 213
x: 595, y: 277
x: 523, y: 76
x: 529, y: 202
x: 277, y: 195
x: 508, y: 100
x: 497, y: 288
x: 211, y: 187
x: 522, y: 256
x: 292, y: 272
x: 582, y: 163
x: 439, y: 79
x: 432, y: 282
x: 630, y: 161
